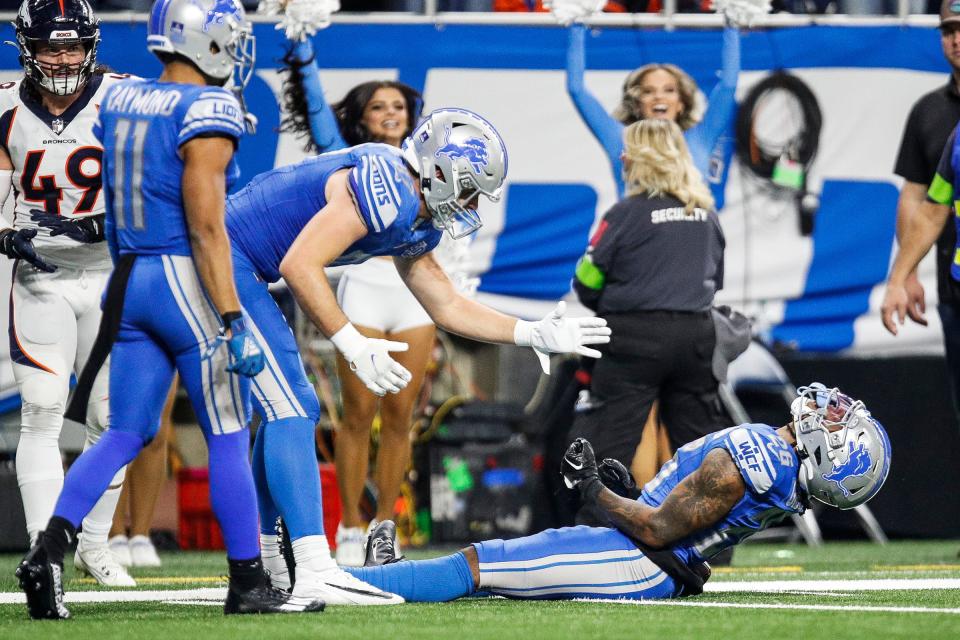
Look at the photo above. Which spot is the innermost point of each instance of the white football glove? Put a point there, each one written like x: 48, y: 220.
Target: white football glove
x: 370, y: 359
x: 556, y: 334
x: 742, y: 13
x: 300, y: 18
x: 569, y: 11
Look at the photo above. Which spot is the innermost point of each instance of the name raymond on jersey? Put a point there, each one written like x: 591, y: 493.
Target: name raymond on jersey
x: 136, y: 99
x: 678, y: 214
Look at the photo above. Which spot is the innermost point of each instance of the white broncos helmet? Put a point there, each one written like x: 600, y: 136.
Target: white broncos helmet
x: 844, y: 452
x: 458, y: 156
x: 212, y: 34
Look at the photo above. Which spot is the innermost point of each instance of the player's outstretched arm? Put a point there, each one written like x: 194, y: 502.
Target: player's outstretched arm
x: 450, y: 310
x: 701, y: 499
x: 466, y: 317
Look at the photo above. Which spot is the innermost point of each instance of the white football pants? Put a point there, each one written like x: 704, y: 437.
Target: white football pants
x: 54, y: 319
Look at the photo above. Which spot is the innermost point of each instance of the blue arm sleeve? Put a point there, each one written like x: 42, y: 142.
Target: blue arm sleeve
x: 607, y: 131
x: 323, y: 124
x: 721, y: 106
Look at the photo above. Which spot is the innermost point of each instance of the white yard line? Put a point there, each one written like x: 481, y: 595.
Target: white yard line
x: 209, y: 594
x: 800, y: 607
x: 776, y: 586
x: 216, y: 595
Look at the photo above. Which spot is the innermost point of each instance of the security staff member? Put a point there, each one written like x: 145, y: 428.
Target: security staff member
x: 652, y: 269
x: 931, y: 120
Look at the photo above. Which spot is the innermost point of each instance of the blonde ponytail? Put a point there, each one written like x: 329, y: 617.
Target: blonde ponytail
x: 658, y: 163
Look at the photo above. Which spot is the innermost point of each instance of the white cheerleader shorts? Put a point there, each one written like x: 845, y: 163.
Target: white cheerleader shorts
x: 373, y: 295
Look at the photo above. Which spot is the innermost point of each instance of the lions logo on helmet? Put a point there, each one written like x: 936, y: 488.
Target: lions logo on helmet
x: 858, y: 463
x: 59, y: 22
x: 216, y: 15
x: 472, y: 149
x: 844, y: 452
x: 458, y: 156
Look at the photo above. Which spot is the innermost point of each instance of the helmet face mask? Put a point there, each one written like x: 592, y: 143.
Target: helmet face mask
x: 59, y: 25
x: 459, y: 157
x: 213, y: 35
x: 844, y: 452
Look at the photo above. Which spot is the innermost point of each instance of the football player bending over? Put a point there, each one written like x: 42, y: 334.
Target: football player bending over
x: 713, y: 494
x: 342, y: 208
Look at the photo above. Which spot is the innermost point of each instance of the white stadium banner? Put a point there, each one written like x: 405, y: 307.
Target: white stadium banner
x: 818, y: 292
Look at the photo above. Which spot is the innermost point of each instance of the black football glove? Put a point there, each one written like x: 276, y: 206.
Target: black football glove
x: 618, y: 478
x: 579, y: 470
x: 87, y: 230
x: 16, y: 244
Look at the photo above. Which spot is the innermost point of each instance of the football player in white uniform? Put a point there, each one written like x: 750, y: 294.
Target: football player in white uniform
x: 51, y: 159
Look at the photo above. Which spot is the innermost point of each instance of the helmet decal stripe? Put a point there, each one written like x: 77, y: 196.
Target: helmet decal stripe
x: 159, y: 16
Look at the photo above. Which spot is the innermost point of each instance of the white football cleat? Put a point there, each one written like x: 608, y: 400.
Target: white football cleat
x: 99, y: 564
x: 143, y: 553
x: 351, y: 546
x: 120, y: 548
x: 275, y: 566
x: 335, y: 586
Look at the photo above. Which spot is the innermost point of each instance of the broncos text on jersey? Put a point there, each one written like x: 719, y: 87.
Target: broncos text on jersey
x: 57, y: 164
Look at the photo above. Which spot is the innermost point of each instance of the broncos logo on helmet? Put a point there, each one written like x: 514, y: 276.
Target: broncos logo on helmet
x: 219, y: 10
x: 472, y: 149
x: 858, y: 463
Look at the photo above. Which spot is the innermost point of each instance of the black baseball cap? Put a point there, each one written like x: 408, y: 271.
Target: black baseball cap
x: 949, y: 12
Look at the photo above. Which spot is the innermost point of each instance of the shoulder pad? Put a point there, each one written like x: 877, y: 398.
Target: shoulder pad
x: 9, y: 94
x: 110, y: 79
x: 758, y: 457
x: 382, y: 190
x: 213, y: 110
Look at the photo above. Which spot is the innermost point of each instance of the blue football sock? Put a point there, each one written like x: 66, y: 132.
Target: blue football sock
x: 232, y: 494
x: 92, y: 472
x: 293, y: 476
x: 265, y: 504
x: 437, y: 580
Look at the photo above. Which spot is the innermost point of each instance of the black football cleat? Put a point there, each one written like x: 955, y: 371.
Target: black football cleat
x: 267, y: 599
x: 382, y: 545
x: 42, y: 581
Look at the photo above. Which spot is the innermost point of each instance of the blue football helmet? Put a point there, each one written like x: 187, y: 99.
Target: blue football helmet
x: 458, y: 156
x: 214, y: 35
x: 844, y: 452
x: 57, y: 22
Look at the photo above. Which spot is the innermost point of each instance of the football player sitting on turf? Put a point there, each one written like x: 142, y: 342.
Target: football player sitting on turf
x: 713, y: 494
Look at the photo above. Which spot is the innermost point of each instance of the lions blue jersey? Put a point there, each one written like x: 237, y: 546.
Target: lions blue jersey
x: 144, y: 124
x: 769, y: 466
x: 265, y: 217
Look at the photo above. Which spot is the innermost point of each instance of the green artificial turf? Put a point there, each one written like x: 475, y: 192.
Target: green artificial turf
x: 741, y: 616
